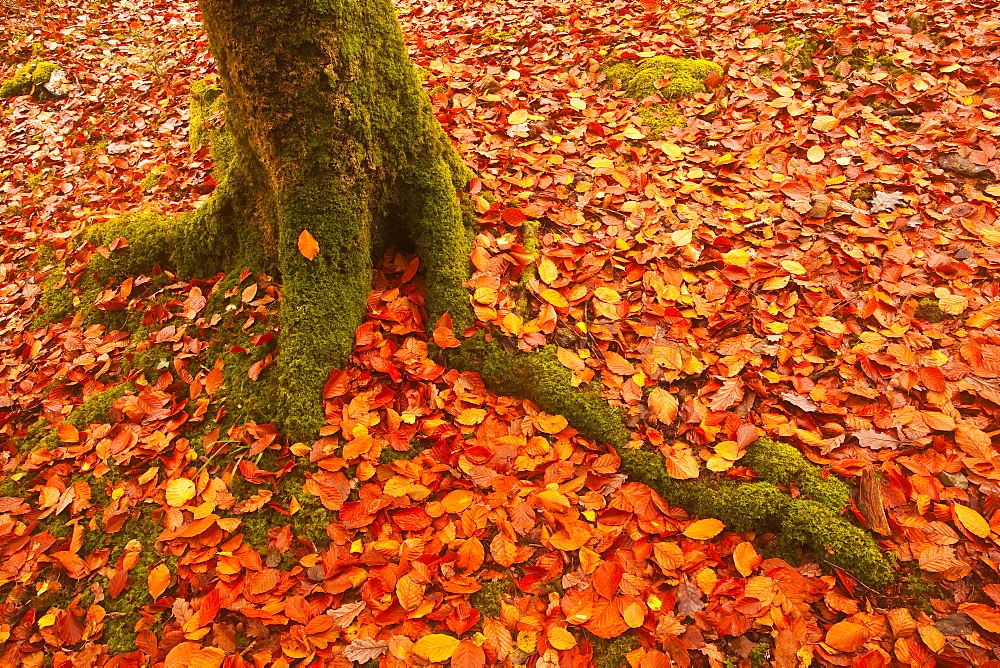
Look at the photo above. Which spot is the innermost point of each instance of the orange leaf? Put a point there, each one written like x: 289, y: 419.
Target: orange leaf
x: 618, y: 364
x: 468, y: 655
x: 971, y: 520
x: 444, y: 337
x: 308, y: 245
x: 517, y: 117
x: 846, y: 636
x: 634, y: 614
x: 206, y: 657
x: 704, y: 529
x: 560, y: 638
x: 746, y: 558
x: 984, y: 615
x: 158, y: 581
x: 825, y: 123
x: 68, y: 433
x: 663, y: 405
x: 551, y: 424
x: 457, y: 500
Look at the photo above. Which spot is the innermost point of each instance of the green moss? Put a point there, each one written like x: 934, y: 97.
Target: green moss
x: 542, y: 378
x: 487, y: 599
x: 389, y: 455
x: 26, y: 77
x: 124, y: 610
x: 781, y: 463
x: 864, y: 193
x: 687, y: 76
x: 57, y: 300
x: 149, y: 237
x: 928, y: 309
x: 760, y: 655
x: 206, y: 101
x: 611, y: 653
x: 93, y: 410
x: 801, y: 46
x: 918, y: 592
x: 152, y: 178
x: 758, y: 506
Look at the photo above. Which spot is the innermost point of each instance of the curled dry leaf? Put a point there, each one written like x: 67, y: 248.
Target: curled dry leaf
x: 363, y: 650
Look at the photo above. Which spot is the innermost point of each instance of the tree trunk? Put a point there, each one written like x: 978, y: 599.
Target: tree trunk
x: 331, y: 134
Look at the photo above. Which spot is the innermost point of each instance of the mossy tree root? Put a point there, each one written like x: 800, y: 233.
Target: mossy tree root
x: 813, y: 523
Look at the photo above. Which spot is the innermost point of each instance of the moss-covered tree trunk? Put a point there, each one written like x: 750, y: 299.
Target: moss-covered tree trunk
x: 333, y: 135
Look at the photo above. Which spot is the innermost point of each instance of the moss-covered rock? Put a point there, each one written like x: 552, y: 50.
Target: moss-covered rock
x: 542, y: 378
x: 34, y: 73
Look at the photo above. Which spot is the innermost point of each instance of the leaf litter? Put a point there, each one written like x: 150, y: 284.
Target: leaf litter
x: 769, y: 268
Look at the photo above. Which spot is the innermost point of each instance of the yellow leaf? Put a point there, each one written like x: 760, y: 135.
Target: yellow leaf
x: 706, y: 579
x: 634, y: 614
x: 308, y: 245
x: 46, y: 620
x: 179, y: 492
x: 527, y: 641
x: 825, y: 123
x: 971, y: 520
x: 601, y: 162
x: 831, y: 324
x: 632, y: 132
x: 518, y: 116
x: 704, y: 529
x: 776, y: 283
x: 436, y: 647
x: 681, y: 237
x: 793, y: 267
x: 560, y: 638
x: 554, y: 298
x: 815, y: 154
x: 547, y: 270
x: 953, y: 304
x: 607, y: 295
x: 738, y: 257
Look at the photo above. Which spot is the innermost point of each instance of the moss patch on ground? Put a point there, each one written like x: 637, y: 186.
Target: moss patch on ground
x: 929, y: 309
x: 611, y: 653
x: 640, y: 79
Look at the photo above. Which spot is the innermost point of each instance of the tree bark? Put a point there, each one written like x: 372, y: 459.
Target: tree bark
x: 333, y: 134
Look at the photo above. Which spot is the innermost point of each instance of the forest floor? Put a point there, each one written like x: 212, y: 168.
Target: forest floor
x: 809, y: 258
